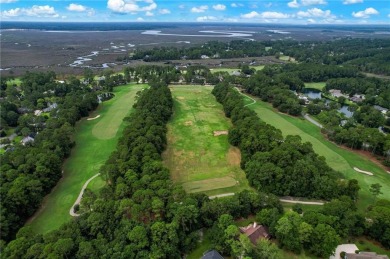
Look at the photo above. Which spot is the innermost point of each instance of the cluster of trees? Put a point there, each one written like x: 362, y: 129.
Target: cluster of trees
x: 283, y: 166
x: 147, y: 73
x: 368, y: 55
x: 29, y: 172
x: 212, y: 49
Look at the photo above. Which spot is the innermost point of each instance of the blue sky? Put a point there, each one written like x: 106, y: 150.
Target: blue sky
x: 260, y: 11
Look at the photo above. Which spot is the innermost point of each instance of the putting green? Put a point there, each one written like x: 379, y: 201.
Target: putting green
x: 338, y: 158
x: 91, y: 151
x: 199, y: 155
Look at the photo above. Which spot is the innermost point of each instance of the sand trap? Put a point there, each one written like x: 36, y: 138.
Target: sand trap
x: 188, y: 123
x: 220, y: 132
x: 361, y: 171
x: 94, y: 118
x: 180, y: 98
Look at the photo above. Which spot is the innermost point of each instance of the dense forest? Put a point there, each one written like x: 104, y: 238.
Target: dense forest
x: 30, y: 171
x: 368, y: 55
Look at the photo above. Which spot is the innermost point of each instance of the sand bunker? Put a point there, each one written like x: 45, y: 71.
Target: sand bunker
x: 220, y: 132
x: 180, y: 98
x: 188, y: 123
x: 362, y: 171
x: 94, y: 118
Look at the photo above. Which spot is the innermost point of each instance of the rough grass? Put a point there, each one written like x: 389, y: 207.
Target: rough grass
x: 196, y: 158
x: 316, y: 85
x: 338, y: 158
x: 86, y: 158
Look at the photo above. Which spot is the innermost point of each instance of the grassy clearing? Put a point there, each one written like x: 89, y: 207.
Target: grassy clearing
x: 86, y: 158
x: 316, y: 85
x: 338, y: 158
x: 196, y: 158
x: 367, y: 245
x: 224, y: 69
x: 257, y: 67
x: 287, y: 58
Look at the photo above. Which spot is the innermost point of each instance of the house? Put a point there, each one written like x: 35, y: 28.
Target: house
x: 26, y: 140
x: 204, y: 57
x: 50, y: 107
x: 365, y: 255
x: 347, y: 248
x: 357, y: 98
x: 236, y: 73
x: 337, y: 93
x: 381, y: 109
x: 212, y: 254
x: 255, y: 232
x: 37, y: 112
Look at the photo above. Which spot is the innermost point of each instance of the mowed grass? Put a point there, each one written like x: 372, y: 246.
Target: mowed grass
x: 338, y: 158
x: 89, y: 154
x: 196, y: 158
x: 316, y: 85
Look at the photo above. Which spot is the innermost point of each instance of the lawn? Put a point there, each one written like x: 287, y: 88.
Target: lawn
x: 196, y: 158
x: 224, y: 69
x: 338, y: 158
x: 91, y: 151
x: 316, y: 85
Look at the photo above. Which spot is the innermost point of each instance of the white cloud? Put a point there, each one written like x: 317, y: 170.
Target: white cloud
x: 250, y: 15
x: 35, y: 10
x: 235, y: 5
x: 140, y: 19
x: 12, y: 13
x: 219, y: 7
x: 293, y: 4
x: 388, y: 15
x: 41, y: 11
x: 164, y: 11
x: 199, y: 9
x: 315, y: 12
x: 274, y: 15
x: 311, y: 20
x: 148, y: 13
x: 131, y: 6
x: 313, y: 2
x: 366, y: 13
x: 182, y: 6
x: 265, y: 15
x: 352, y: 1
x: 7, y: 1
x: 76, y: 8
x: 206, y: 18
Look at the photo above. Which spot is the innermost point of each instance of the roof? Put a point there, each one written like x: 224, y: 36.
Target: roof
x: 212, y: 254
x: 348, y: 248
x: 254, y: 232
x: 365, y: 255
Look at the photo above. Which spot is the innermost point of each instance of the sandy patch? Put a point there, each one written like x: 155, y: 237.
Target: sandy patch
x: 234, y: 156
x: 94, y: 118
x: 362, y: 171
x: 180, y: 98
x: 220, y: 132
x: 188, y: 123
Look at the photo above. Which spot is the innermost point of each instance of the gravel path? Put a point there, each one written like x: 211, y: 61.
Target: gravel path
x: 221, y: 195
x: 71, y: 211
x: 253, y: 100
x: 307, y: 117
x: 303, y: 202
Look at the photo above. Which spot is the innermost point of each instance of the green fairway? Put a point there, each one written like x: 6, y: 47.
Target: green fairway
x: 319, y: 85
x: 339, y: 159
x: 91, y: 151
x: 196, y: 158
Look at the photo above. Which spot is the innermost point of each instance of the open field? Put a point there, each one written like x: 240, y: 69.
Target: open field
x: 196, y: 158
x: 316, y: 85
x: 338, y: 158
x: 90, y: 153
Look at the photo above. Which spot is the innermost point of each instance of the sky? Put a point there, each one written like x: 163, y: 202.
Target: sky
x: 260, y: 11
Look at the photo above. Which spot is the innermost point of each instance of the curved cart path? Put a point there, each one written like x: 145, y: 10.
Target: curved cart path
x: 253, y: 100
x: 71, y: 211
